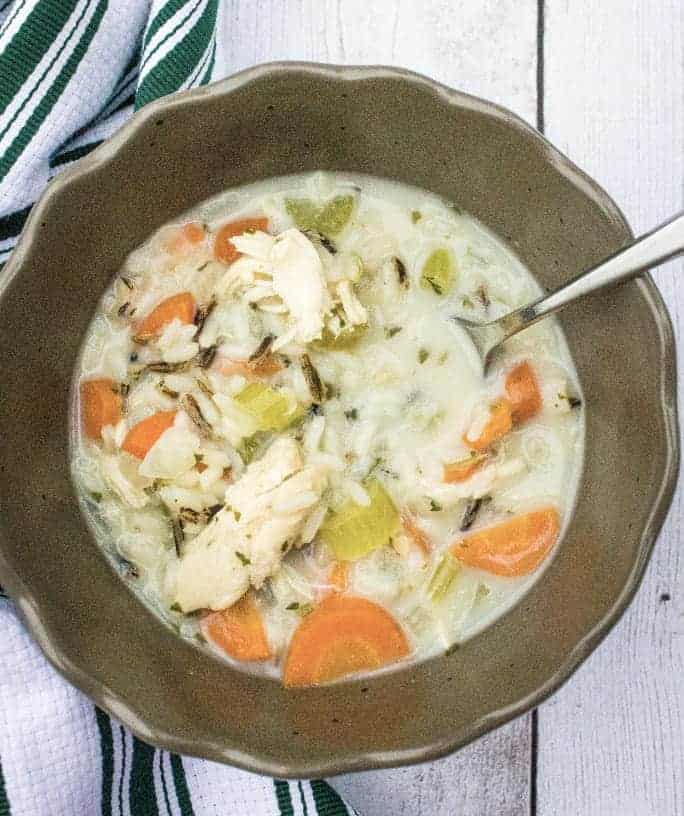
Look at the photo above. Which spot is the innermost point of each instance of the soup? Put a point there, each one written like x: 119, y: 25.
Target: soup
x: 284, y: 439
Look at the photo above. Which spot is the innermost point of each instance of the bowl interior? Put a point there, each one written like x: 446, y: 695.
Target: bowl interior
x: 271, y: 122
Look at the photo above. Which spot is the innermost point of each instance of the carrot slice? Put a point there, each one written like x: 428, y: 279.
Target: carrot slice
x: 343, y: 635
x: 515, y: 547
x: 177, y: 307
x: 193, y: 232
x: 262, y: 368
x: 415, y: 533
x: 239, y: 631
x: 101, y: 405
x: 463, y: 469
x: 339, y: 576
x: 184, y: 238
x: 498, y: 425
x: 145, y: 433
x: 523, y: 392
x: 224, y: 249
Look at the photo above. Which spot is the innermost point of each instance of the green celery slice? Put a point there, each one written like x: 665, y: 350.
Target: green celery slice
x: 353, y: 531
x: 252, y: 446
x: 330, y: 219
x: 438, y: 272
x: 271, y: 410
x: 443, y: 577
x: 335, y: 214
x: 303, y: 212
x: 346, y: 338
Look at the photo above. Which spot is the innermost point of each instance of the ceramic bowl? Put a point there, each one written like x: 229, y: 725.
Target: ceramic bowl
x: 289, y: 118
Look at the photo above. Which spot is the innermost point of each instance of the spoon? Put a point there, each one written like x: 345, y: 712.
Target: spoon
x: 664, y: 242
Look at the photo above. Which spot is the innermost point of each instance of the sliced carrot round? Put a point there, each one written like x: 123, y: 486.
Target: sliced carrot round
x: 523, y: 392
x: 345, y: 634
x: 101, y: 405
x: 499, y: 423
x: 460, y: 471
x: 193, y: 232
x: 145, y: 433
x: 419, y: 537
x: 515, y: 547
x: 239, y: 631
x: 224, y: 249
x: 182, y: 239
x: 177, y: 307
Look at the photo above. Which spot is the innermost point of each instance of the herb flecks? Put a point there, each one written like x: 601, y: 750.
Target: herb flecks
x: 435, y: 506
x: 243, y: 558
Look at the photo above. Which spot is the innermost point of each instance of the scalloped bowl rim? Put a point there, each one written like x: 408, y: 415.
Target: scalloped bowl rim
x: 105, y: 697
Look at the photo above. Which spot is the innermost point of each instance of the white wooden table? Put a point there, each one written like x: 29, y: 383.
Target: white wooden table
x: 604, y: 79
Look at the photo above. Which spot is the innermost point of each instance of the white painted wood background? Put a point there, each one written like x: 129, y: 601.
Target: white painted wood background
x: 605, y: 79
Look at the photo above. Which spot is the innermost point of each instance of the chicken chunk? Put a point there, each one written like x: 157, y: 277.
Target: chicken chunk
x: 245, y: 542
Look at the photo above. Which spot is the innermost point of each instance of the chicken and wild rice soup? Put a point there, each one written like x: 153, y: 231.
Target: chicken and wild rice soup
x: 285, y: 442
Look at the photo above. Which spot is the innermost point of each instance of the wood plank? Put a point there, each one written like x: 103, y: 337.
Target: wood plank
x: 486, y: 48
x: 612, y: 740
x: 490, y: 776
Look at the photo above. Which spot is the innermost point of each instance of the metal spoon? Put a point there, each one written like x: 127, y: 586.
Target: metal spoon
x: 653, y: 248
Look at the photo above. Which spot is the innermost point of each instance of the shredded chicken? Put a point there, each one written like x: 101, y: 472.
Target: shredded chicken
x: 245, y: 542
x: 298, y: 280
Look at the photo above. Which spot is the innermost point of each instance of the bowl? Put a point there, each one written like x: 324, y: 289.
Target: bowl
x: 287, y: 118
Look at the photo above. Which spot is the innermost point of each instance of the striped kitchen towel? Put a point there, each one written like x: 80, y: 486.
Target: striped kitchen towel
x: 71, y: 72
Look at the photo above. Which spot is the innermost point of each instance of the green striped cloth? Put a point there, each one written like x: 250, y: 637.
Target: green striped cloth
x: 71, y: 72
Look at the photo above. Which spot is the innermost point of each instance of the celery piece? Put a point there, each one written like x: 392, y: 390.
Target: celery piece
x: 303, y: 212
x: 438, y: 272
x: 271, y: 410
x: 252, y: 446
x: 346, y: 338
x: 354, y: 530
x: 335, y: 214
x: 328, y: 219
x: 443, y: 577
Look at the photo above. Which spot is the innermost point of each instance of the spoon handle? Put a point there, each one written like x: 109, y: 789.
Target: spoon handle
x: 664, y: 242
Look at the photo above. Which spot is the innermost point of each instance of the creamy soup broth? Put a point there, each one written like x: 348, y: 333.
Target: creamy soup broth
x: 286, y: 444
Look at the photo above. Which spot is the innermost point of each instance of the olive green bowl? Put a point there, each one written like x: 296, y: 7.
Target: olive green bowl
x: 283, y: 119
